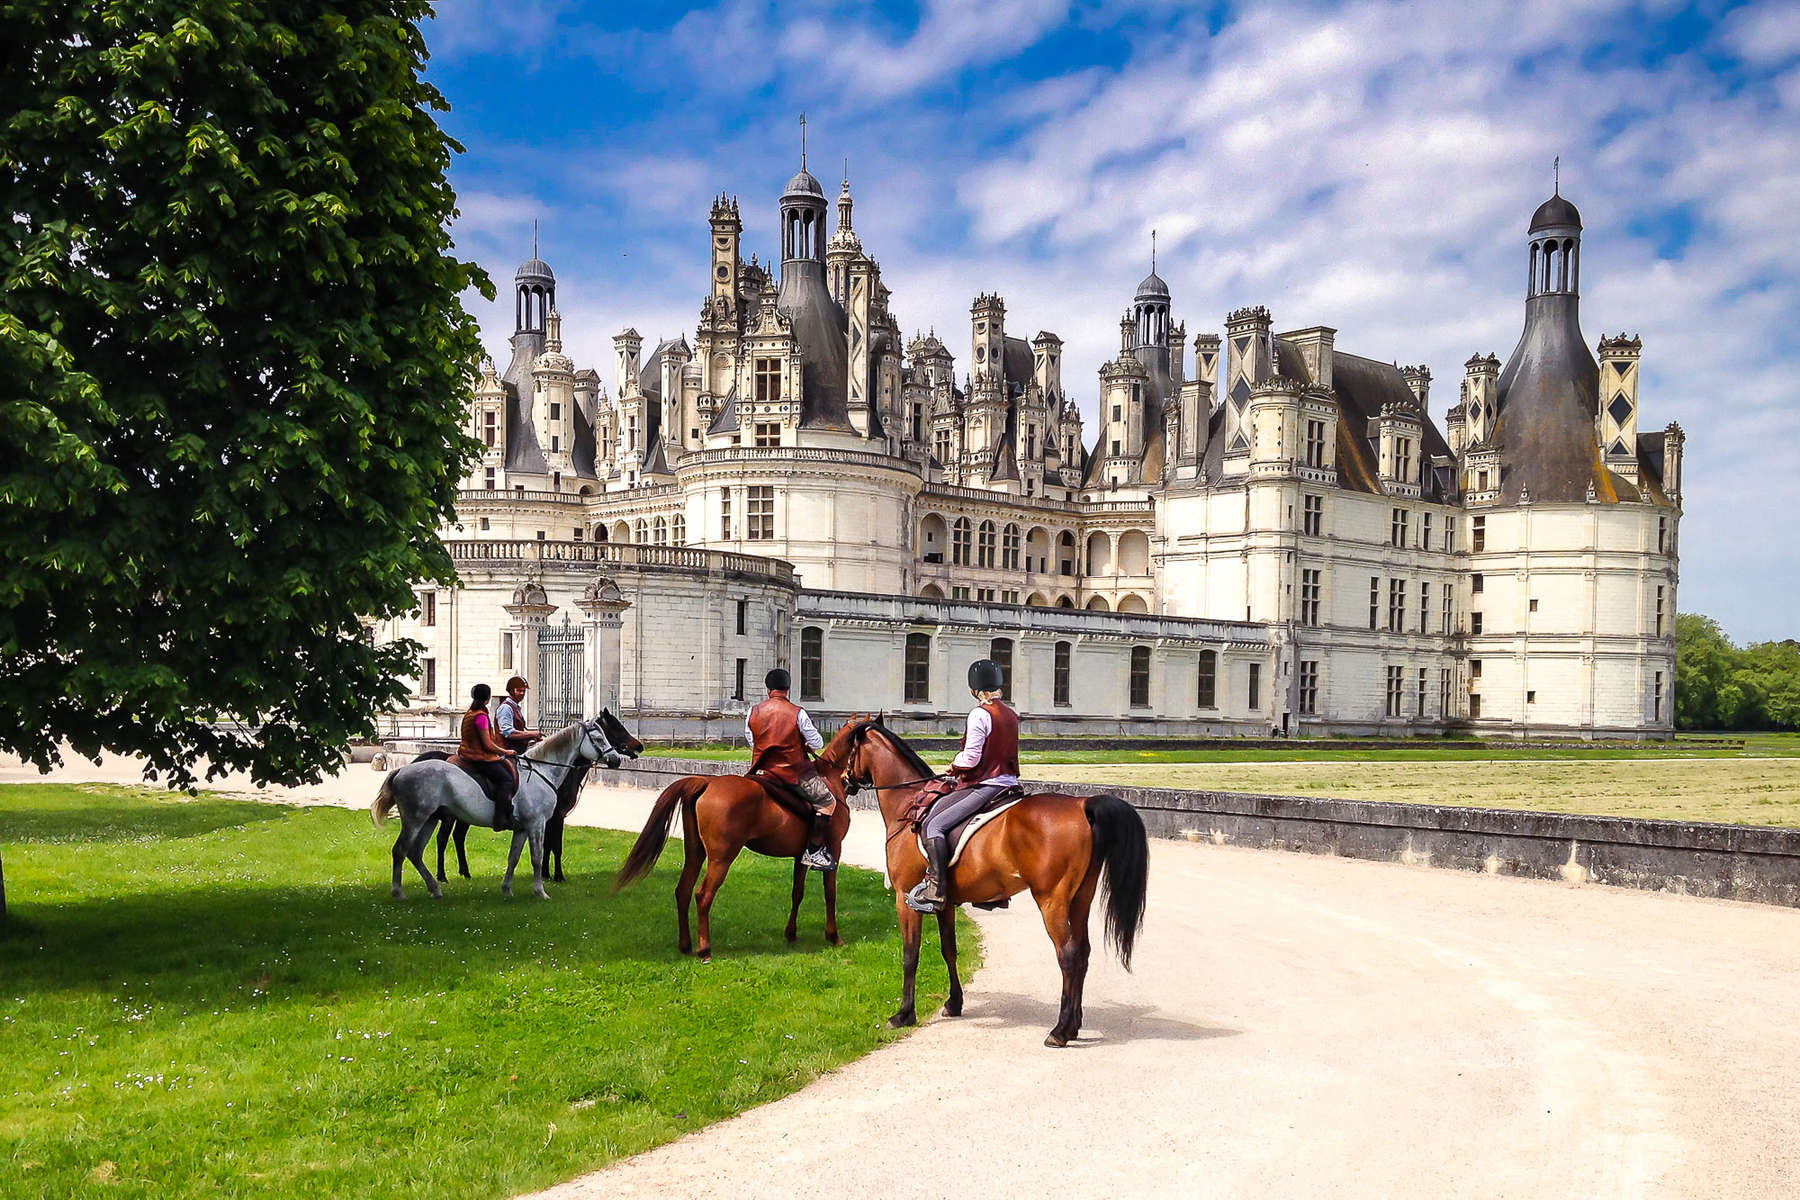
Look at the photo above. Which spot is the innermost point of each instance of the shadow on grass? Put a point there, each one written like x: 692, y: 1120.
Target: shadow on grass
x: 104, y: 819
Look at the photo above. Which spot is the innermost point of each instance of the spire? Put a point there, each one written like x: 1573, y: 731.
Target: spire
x: 534, y: 233
x: 1556, y: 175
x: 844, y: 202
x: 803, y: 141
x: 1153, y: 251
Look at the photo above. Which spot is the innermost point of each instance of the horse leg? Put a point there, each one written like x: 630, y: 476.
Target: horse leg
x: 709, y: 887
x: 793, y: 926
x: 553, y: 843
x: 415, y: 850
x: 947, y: 943
x: 1078, y: 929
x: 443, y: 840
x: 512, y: 862
x: 1071, y: 956
x: 462, y: 855
x: 537, y: 864
x: 831, y: 929
x: 399, y: 863
x: 912, y: 928
x: 690, y: 871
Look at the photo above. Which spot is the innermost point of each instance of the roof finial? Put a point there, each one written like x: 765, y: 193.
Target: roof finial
x: 1556, y: 173
x: 534, y: 223
x: 1153, y: 251
x: 803, y: 141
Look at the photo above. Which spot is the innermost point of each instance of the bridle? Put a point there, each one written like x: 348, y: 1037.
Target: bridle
x: 853, y: 785
x: 587, y: 736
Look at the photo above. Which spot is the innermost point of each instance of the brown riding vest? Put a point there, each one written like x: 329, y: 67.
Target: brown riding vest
x: 474, y: 745
x: 1000, y: 753
x: 780, y: 747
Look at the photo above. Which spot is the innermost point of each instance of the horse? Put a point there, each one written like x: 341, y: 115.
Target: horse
x: 424, y: 792
x: 1056, y: 846
x: 567, y: 793
x: 722, y: 815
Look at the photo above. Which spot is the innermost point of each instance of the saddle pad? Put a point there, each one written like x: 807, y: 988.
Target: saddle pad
x: 962, y: 835
x: 784, y: 796
x: 471, y: 769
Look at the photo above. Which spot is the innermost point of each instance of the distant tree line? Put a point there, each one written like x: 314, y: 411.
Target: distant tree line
x: 1719, y: 685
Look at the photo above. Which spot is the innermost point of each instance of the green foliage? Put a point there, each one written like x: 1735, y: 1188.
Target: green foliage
x: 1719, y: 686
x: 199, y: 1008
x: 235, y: 360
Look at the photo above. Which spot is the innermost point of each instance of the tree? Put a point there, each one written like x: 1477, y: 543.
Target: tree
x: 235, y: 360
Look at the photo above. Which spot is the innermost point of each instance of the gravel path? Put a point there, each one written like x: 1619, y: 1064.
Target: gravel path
x: 1300, y: 1026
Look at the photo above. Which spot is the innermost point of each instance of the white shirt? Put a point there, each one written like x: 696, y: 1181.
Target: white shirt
x: 975, y: 736
x: 814, y: 740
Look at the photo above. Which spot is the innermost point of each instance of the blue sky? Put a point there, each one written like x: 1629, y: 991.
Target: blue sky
x: 1369, y: 166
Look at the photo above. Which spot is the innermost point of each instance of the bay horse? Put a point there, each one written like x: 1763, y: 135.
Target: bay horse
x: 426, y: 792
x: 567, y: 793
x: 721, y: 816
x: 1060, y: 848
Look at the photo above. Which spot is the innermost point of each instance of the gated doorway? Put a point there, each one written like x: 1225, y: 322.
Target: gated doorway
x: 559, y: 676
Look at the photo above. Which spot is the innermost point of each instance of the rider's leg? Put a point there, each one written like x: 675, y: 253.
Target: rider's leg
x: 952, y: 810
x: 503, y: 793
x: 818, y: 794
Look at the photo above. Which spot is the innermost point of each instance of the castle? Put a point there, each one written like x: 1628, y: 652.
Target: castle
x: 1276, y: 535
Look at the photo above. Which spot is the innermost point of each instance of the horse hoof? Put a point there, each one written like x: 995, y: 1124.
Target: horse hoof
x: 706, y: 956
x: 540, y: 893
x: 833, y: 939
x: 1055, y: 1042
x: 953, y: 1007
x: 791, y: 935
x: 901, y: 1020
x: 398, y: 894
x: 437, y: 894
x: 685, y: 949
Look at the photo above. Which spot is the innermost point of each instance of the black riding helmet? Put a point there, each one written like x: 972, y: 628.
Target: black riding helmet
x: 984, y: 675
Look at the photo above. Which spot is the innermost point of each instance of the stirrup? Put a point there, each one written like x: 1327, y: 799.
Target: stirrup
x: 819, y: 859
x: 917, y: 901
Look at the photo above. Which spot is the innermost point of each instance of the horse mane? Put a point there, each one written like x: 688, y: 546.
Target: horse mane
x: 558, y: 741
x: 906, y: 752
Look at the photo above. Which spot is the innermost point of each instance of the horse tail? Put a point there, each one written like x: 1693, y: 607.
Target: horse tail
x: 1124, y: 849
x: 384, y: 802
x: 649, y: 845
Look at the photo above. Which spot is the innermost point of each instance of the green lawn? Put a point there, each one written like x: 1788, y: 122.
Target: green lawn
x: 213, y: 996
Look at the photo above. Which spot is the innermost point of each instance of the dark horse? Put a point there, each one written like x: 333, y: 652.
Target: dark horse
x: 566, y: 796
x: 722, y: 815
x: 1054, y: 845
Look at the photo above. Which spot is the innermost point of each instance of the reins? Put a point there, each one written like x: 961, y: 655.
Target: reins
x: 539, y: 768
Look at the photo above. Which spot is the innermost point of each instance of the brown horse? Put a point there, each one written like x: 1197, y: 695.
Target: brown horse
x: 722, y: 815
x: 1054, y: 845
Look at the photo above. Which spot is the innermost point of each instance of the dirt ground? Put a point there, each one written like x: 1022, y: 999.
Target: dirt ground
x: 1298, y: 1026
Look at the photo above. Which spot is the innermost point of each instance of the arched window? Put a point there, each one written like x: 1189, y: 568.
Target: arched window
x: 1209, y: 679
x: 660, y: 532
x: 1059, y: 674
x: 1001, y: 651
x: 1009, y: 548
x: 918, y: 668
x: 678, y: 530
x: 812, y: 662
x: 960, y: 542
x: 599, y: 533
x: 1140, y: 677
x: 985, y: 546
x: 643, y: 532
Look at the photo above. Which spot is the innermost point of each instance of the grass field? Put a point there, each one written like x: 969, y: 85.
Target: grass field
x: 219, y: 997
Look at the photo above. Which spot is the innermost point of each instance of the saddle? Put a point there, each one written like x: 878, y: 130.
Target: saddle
x: 961, y: 835
x: 786, y: 796
x: 473, y: 771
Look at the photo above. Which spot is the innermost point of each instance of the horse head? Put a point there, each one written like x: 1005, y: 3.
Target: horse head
x: 619, y: 737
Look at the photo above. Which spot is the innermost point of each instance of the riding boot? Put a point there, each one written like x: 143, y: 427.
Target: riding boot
x: 503, y: 813
x: 933, y: 893
x: 817, y: 855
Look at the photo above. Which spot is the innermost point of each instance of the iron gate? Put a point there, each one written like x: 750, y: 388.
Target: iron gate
x: 559, y: 676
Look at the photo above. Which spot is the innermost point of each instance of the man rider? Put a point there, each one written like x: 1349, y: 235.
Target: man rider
x: 780, y: 735
x: 480, y: 748
x: 510, y: 718
x: 987, y: 765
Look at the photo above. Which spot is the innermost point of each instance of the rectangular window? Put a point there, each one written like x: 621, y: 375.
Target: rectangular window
x: 631, y: 432
x: 1397, y: 529
x: 1477, y: 584
x: 1424, y: 531
x: 1659, y: 610
x: 918, y: 422
x: 488, y: 479
x: 743, y: 617
x: 428, y: 677
x: 812, y: 662
x: 484, y: 524
x: 1374, y: 602
x: 1662, y: 532
x: 759, y: 514
x: 1310, y: 591
x: 1474, y: 704
x: 1397, y: 605
x: 555, y: 443
x: 1424, y: 606
x: 1532, y: 605
x: 1209, y: 679
x: 1140, y: 677
x: 985, y: 595
x: 1531, y: 697
x: 1420, y: 709
x: 555, y: 411
x: 959, y: 593
x: 1117, y: 414
x: 768, y: 433
x: 1255, y: 686
x: 1474, y: 668
x: 506, y: 652
x: 1309, y: 687
x: 1315, y: 443
x: 1403, y: 460
x: 428, y: 607
x: 918, y: 668
x: 1478, y: 534
x: 725, y: 514
x: 1396, y: 688
x: 1031, y: 443
x: 941, y: 446
x: 1446, y: 608
x: 1656, y: 699
x: 766, y: 374
x: 1001, y: 651
x: 1059, y: 674
x: 489, y: 429
x: 1450, y: 535
x: 737, y: 691
x: 1474, y: 623
x: 1115, y: 450
x: 1444, y: 693
x: 1314, y: 516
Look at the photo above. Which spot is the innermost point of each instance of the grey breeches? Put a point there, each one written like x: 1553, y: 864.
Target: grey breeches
x: 959, y: 806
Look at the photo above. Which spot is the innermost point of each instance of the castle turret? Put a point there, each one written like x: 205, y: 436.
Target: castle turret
x: 1249, y: 360
x: 727, y: 235
x: 817, y: 321
x: 1617, y: 419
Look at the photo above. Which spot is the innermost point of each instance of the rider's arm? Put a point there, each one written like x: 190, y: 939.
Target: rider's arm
x: 488, y: 738
x: 749, y: 736
x: 975, y: 735
x: 814, y: 740
x: 505, y: 721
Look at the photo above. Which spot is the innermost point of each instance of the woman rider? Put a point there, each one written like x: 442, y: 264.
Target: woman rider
x: 987, y: 765
x: 483, y: 752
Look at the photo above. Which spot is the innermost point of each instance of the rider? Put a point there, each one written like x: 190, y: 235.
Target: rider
x: 510, y: 717
x: 780, y: 735
x: 480, y: 749
x: 987, y: 765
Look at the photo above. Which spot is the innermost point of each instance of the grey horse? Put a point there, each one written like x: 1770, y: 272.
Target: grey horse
x: 426, y: 792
